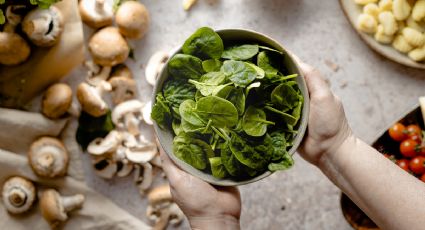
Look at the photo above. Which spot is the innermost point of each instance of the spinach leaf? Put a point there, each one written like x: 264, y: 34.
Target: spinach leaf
x: 193, y: 151
x: 217, y: 168
x: 264, y: 62
x: 212, y: 65
x: 288, y: 118
x: 234, y: 95
x: 176, y: 91
x: 246, y: 154
x: 279, y: 146
x: 188, y: 127
x: 161, y: 112
x: 270, y: 49
x: 260, y: 72
x: 210, y: 82
x: 286, y: 163
x: 284, y: 95
x: 198, y: 95
x: 252, y: 86
x: 239, y: 72
x: 185, y: 67
x: 221, y: 112
x: 177, y: 127
x: 188, y: 113
x: 239, y: 53
x: 204, y: 43
x: 232, y: 165
x: 255, y: 122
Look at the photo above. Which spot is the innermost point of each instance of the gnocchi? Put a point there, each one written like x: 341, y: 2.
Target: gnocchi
x: 399, y: 23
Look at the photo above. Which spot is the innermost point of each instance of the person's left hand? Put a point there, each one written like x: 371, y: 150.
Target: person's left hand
x: 206, y: 206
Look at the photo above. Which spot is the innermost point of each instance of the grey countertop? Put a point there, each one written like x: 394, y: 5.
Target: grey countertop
x: 374, y: 91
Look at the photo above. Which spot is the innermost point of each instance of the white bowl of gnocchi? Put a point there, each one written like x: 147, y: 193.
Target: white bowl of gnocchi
x: 393, y: 28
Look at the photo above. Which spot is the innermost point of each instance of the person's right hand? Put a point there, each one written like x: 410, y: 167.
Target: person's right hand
x: 327, y: 124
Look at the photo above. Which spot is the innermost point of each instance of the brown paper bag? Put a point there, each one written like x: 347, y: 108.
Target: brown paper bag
x: 19, y: 84
x: 98, y: 212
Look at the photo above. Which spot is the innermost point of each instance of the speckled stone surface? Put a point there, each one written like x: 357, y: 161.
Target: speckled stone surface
x: 374, y: 91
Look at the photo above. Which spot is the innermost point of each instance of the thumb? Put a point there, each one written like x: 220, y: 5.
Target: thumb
x: 316, y: 84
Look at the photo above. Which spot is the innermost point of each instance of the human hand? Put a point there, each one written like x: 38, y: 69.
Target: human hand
x: 327, y: 125
x: 206, y: 206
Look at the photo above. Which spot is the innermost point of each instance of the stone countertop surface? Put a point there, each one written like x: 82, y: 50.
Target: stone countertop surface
x: 374, y: 90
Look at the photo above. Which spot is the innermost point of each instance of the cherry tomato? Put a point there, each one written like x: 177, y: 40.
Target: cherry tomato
x: 404, y: 164
x: 416, y: 137
x: 417, y: 165
x: 408, y: 148
x: 413, y: 130
x: 398, y: 132
x: 423, y: 178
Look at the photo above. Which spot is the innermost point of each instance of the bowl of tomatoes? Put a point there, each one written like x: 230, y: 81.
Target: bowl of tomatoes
x: 404, y: 144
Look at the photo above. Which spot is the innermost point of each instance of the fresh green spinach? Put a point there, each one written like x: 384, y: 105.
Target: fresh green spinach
x: 254, y: 122
x: 204, y: 43
x: 243, y: 52
x: 185, y: 66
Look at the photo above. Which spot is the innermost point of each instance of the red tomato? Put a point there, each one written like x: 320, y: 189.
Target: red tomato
x: 416, y: 137
x: 398, y: 132
x: 417, y: 165
x: 413, y: 130
x: 404, y: 164
x: 408, y: 148
x: 423, y: 178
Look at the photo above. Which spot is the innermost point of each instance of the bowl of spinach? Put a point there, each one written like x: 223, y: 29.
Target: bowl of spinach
x: 230, y: 106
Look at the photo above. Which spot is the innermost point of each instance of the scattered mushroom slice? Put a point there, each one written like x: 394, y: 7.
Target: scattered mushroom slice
x: 187, y: 4
x: 132, y: 19
x: 146, y: 112
x: 18, y: 195
x: 108, y: 47
x: 154, y: 67
x: 96, y: 13
x: 156, y: 161
x: 142, y: 154
x: 57, y: 101
x: 48, y: 157
x: 13, y: 48
x: 124, y: 168
x: 125, y: 115
x: 159, y: 195
x: 121, y: 70
x: 90, y: 98
x: 147, y: 178
x: 123, y: 89
x: 105, y: 167
x: 93, y: 68
x: 43, y: 26
x: 55, y: 207
x: 100, y: 79
x: 108, y: 144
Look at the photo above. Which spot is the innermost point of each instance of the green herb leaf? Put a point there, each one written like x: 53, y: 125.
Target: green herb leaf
x: 286, y: 163
x: 205, y: 43
x: 239, y: 72
x: 212, y: 65
x: 254, y: 122
x: 161, y: 111
x: 217, y: 168
x: 240, y: 53
x: 221, y: 112
x: 185, y: 66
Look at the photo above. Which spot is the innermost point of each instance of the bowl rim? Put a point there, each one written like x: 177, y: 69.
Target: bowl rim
x: 262, y: 38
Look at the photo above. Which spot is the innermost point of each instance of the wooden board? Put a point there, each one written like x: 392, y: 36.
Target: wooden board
x: 352, y: 11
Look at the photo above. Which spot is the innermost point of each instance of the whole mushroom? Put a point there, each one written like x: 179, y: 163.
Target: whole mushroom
x: 96, y: 13
x: 90, y: 98
x: 121, y: 70
x: 55, y: 207
x: 13, y: 48
x: 123, y: 89
x: 57, y: 101
x: 18, y: 195
x: 108, y: 47
x: 48, y: 157
x: 43, y: 26
x: 132, y: 19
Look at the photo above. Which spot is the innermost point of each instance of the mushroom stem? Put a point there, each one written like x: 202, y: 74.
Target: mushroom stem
x: 147, y: 178
x: 132, y: 123
x: 101, y: 77
x: 72, y: 202
x: 46, y: 161
x: 74, y: 109
x: 17, y: 197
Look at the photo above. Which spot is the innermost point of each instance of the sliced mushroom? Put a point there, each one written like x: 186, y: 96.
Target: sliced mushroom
x: 57, y: 101
x: 100, y: 79
x: 127, y: 115
x: 187, y: 4
x: 155, y: 65
x: 124, y: 168
x: 48, y: 157
x: 110, y: 143
x: 160, y: 195
x: 156, y: 161
x: 105, y: 167
x: 147, y: 178
x: 121, y: 70
x: 43, y: 26
x: 108, y: 47
x: 93, y: 68
x: 123, y: 89
x: 55, y: 207
x: 142, y: 154
x: 90, y: 98
x: 146, y: 112
x: 18, y: 195
x: 132, y: 19
x: 13, y: 48
x: 96, y: 13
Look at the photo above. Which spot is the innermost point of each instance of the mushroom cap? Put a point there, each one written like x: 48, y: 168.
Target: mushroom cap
x: 130, y: 106
x: 155, y: 65
x: 110, y: 143
x: 121, y: 70
x: 52, y: 208
x: 43, y: 26
x: 123, y: 89
x: 13, y: 49
x: 48, y: 157
x: 160, y: 194
x: 18, y: 194
x: 95, y: 13
x: 132, y: 19
x: 91, y: 100
x: 108, y: 47
x: 56, y: 100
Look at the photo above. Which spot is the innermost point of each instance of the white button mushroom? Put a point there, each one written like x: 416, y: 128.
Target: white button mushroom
x: 132, y: 19
x: 18, y: 195
x: 13, y: 48
x: 43, y: 26
x: 96, y: 13
x: 48, y: 157
x: 146, y: 111
x: 123, y: 89
x: 57, y: 101
x: 110, y: 143
x: 154, y: 67
x: 128, y: 115
x: 55, y: 207
x: 108, y: 47
x: 90, y: 98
